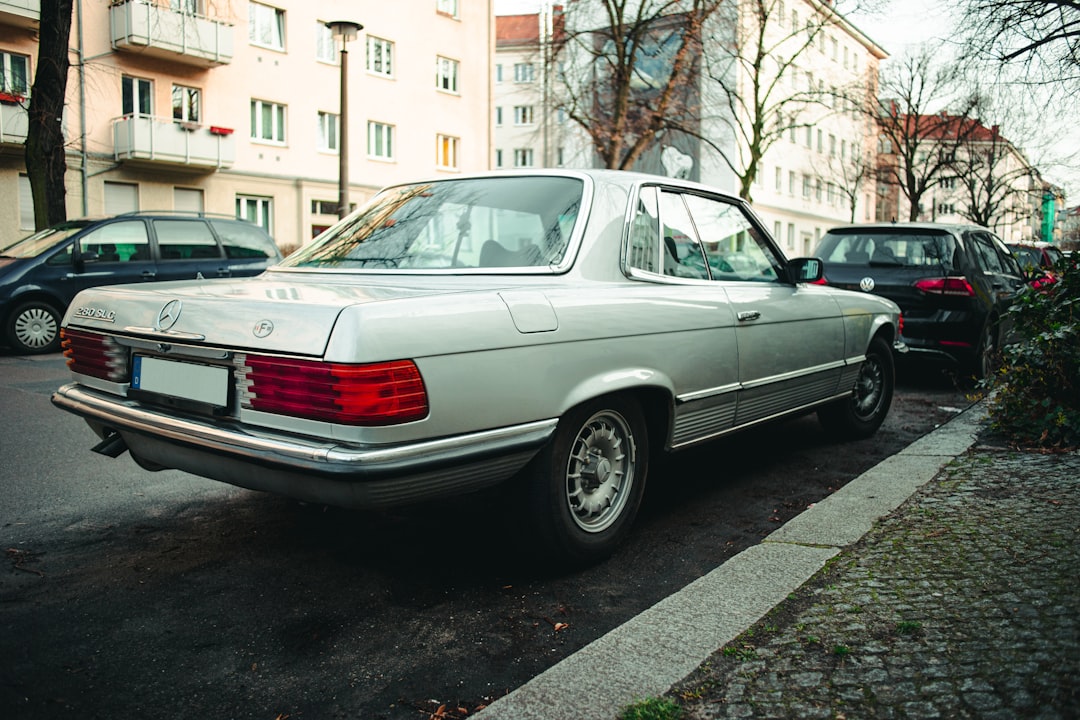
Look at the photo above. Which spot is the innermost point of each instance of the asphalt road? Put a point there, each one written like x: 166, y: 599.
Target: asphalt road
x: 128, y: 594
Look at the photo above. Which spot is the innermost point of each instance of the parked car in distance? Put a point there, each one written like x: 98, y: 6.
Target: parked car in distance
x: 459, y: 333
x: 953, y: 284
x: 42, y: 273
x: 1038, y: 260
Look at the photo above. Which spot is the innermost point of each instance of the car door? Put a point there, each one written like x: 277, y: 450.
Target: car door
x: 187, y: 249
x: 790, y: 337
x: 111, y: 253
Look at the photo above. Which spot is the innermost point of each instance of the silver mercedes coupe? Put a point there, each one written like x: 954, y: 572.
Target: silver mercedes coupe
x: 549, y: 329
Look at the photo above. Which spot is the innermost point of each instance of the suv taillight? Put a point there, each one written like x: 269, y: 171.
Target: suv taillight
x: 95, y: 355
x: 387, y: 393
x: 952, y: 286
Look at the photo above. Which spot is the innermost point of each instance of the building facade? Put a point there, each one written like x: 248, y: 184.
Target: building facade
x: 233, y: 106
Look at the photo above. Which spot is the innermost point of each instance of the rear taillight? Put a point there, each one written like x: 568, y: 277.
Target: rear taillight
x: 95, y: 355
x: 387, y: 393
x: 952, y: 286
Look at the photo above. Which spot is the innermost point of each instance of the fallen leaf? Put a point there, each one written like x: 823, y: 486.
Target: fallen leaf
x: 560, y: 626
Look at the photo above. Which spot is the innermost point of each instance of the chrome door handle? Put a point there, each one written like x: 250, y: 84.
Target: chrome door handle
x: 747, y: 315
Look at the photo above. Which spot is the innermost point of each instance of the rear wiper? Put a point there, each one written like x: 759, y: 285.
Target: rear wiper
x: 886, y: 263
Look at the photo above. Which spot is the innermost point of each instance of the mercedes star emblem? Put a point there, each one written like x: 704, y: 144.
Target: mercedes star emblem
x: 168, y: 315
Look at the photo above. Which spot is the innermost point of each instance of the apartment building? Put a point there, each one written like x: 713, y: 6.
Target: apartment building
x: 233, y: 106
x: 817, y: 176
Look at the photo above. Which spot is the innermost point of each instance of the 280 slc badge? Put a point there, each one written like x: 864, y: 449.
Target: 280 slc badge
x: 92, y: 313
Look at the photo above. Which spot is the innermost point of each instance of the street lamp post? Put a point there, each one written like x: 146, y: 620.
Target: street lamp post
x: 345, y: 31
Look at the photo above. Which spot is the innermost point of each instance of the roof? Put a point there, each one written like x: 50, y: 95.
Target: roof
x: 517, y: 29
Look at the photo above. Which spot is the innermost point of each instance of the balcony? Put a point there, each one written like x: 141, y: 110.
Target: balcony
x: 20, y: 13
x: 13, y: 119
x: 141, y: 26
x: 149, y: 140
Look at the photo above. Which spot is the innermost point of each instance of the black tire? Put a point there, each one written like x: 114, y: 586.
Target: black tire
x: 984, y: 362
x: 34, y: 328
x: 861, y: 414
x: 583, y: 490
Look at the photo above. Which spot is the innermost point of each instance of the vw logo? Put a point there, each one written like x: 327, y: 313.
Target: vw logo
x: 867, y: 284
x: 262, y: 328
x: 168, y: 315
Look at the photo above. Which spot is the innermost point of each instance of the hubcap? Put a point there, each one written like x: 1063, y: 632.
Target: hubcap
x: 600, y: 471
x: 869, y: 388
x: 35, y: 328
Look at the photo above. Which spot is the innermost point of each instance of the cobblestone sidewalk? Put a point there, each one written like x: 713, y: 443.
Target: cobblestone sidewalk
x: 964, y: 603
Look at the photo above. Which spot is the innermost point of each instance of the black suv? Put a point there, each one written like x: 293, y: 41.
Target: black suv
x: 40, y: 274
x: 953, y: 284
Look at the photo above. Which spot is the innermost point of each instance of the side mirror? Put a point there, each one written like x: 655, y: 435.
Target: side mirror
x: 806, y: 270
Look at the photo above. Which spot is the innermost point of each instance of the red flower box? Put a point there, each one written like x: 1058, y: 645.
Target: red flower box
x: 218, y: 130
x: 11, y: 98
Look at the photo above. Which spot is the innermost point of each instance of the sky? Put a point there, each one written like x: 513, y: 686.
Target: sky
x: 899, y: 25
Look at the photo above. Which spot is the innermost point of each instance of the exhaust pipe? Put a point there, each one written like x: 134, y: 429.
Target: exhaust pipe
x: 112, y: 446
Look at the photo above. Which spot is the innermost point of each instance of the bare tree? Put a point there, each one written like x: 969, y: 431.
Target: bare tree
x: 848, y: 173
x: 923, y: 119
x: 992, y: 175
x: 46, y: 163
x: 628, y: 71
x: 753, y: 67
x: 1039, y: 38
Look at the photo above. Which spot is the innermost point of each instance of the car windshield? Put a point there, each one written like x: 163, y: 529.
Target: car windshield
x: 39, y: 242
x: 889, y: 248
x: 1027, y: 256
x: 497, y: 222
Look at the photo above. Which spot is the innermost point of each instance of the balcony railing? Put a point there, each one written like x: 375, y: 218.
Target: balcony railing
x: 20, y: 13
x: 156, y: 140
x: 13, y: 119
x: 145, y: 27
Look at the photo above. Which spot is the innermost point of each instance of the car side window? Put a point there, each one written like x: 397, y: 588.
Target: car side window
x: 734, y: 248
x: 185, y: 240
x: 681, y: 251
x: 1009, y: 265
x: 985, y: 255
x: 644, y: 251
x: 122, y: 241
x: 244, y: 241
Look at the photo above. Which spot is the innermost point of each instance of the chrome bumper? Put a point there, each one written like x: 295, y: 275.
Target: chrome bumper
x: 310, y: 470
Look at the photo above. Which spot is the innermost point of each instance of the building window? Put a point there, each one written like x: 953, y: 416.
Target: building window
x: 777, y: 228
x: 446, y: 152
x: 137, y: 96
x: 325, y: 49
x: 380, y: 140
x: 524, y: 73
x: 324, y: 207
x: 523, y: 115
x: 328, y: 132
x: 120, y: 197
x: 267, y: 122
x: 446, y: 74
x: 948, y: 183
x: 832, y: 145
x: 380, y: 56
x: 806, y: 187
x: 498, y: 73
x: 809, y: 136
x: 560, y: 156
x: 447, y: 7
x: 498, y: 115
x: 185, y: 103
x: 266, y: 26
x: 791, y: 182
x: 26, y: 204
x: 258, y: 210
x: 820, y: 141
x: 791, y: 236
x: 498, y: 158
x: 14, y: 71
x: 779, y: 181
x: 817, y: 190
x: 523, y: 157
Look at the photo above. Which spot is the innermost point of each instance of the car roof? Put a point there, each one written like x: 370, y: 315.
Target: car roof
x: 900, y: 227
x: 625, y: 178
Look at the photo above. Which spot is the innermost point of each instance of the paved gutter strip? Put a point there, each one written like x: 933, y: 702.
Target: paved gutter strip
x: 649, y: 653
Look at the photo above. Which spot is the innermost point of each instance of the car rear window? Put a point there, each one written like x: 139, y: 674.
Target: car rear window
x: 243, y: 240
x: 501, y: 222
x: 889, y: 248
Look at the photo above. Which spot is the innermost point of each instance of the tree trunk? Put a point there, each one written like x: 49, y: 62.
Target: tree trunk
x: 46, y: 163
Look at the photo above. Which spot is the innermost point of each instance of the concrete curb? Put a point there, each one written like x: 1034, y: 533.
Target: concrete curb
x: 652, y: 651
